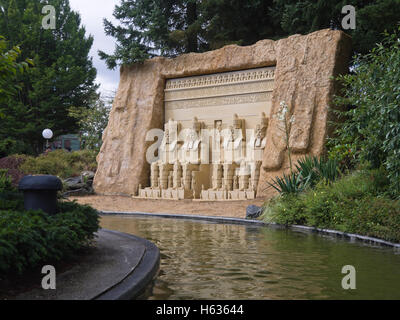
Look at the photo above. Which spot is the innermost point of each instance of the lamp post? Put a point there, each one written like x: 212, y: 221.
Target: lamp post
x: 47, y: 134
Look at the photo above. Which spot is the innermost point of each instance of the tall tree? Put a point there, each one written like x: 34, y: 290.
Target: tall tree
x: 149, y: 28
x: 9, y: 69
x: 93, y: 121
x: 63, y: 75
x: 373, y: 17
x: 371, y: 130
x: 152, y: 27
x: 242, y: 22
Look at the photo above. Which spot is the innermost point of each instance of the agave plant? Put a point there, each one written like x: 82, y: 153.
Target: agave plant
x: 310, y: 170
x: 318, y: 168
x: 291, y: 183
x: 329, y: 169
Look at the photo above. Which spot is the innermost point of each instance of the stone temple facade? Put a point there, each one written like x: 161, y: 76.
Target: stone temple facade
x: 221, y: 135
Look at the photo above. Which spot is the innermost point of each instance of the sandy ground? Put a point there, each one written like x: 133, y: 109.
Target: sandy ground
x: 236, y: 209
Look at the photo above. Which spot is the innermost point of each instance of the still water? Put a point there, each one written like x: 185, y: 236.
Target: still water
x: 203, y: 260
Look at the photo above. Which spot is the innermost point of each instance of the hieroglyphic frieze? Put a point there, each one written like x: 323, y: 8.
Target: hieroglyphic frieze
x: 219, y: 101
x: 225, y: 90
x: 258, y: 74
x: 248, y: 86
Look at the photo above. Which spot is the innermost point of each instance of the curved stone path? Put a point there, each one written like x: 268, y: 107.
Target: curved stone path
x: 119, y: 267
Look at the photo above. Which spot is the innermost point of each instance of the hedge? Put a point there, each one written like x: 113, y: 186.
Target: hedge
x: 31, y: 238
x: 357, y: 203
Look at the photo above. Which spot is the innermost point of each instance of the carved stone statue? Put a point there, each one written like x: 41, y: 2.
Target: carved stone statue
x: 235, y: 183
x: 255, y: 148
x: 193, y: 185
x: 154, y: 174
x: 255, y: 174
x: 216, y: 176
x: 244, y: 175
x: 217, y: 154
x: 259, y: 137
x: 182, y: 183
x: 167, y: 136
x: 170, y: 181
x: 177, y: 175
x: 234, y: 148
x: 191, y: 146
x: 168, y: 148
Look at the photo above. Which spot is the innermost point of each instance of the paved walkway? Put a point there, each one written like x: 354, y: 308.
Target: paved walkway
x: 233, y: 209
x: 119, y: 267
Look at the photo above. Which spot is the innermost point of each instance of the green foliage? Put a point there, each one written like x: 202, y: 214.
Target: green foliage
x: 93, y: 121
x: 242, y: 22
x: 345, y: 153
x: 63, y: 75
x: 149, y: 28
x: 310, y: 170
x: 355, y: 204
x: 31, y: 238
x: 9, y: 69
x: 373, y: 17
x: 61, y: 163
x: 5, y: 180
x: 289, y: 183
x: 371, y: 129
x: 287, y: 210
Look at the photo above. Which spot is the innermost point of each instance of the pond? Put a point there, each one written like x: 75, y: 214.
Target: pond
x: 206, y: 260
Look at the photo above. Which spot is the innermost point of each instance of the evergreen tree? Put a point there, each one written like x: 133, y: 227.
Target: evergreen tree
x: 63, y: 75
x: 9, y: 69
x: 242, y: 22
x: 150, y: 28
x: 370, y: 131
x: 93, y: 121
x: 373, y: 17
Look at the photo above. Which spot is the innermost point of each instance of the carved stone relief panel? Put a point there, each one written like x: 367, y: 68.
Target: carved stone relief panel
x: 233, y: 108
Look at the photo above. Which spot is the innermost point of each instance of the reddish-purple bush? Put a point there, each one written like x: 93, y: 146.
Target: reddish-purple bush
x: 13, y: 163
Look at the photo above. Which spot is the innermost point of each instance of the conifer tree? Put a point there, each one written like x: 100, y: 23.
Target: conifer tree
x: 149, y: 28
x: 63, y: 74
x: 373, y: 18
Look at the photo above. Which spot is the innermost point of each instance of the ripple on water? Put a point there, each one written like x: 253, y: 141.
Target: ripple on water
x: 201, y: 260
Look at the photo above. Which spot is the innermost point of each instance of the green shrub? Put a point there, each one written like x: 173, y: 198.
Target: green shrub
x: 356, y: 203
x: 287, y: 210
x: 371, y: 127
x: 376, y: 217
x: 5, y: 180
x: 31, y: 238
x: 61, y: 163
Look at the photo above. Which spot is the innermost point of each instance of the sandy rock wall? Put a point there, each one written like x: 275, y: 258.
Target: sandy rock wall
x: 305, y: 66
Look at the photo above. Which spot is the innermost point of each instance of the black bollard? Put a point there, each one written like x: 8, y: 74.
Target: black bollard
x: 40, y: 192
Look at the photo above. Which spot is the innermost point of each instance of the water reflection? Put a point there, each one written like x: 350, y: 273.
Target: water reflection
x: 202, y: 260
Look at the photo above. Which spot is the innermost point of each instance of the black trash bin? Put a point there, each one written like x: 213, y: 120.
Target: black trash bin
x: 40, y: 192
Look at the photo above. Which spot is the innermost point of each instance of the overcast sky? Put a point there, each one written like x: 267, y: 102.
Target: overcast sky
x: 92, y: 13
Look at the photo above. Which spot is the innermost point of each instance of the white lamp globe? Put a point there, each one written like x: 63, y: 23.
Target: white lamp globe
x: 47, y: 134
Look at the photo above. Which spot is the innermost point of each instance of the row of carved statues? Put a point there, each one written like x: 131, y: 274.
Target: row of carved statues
x: 226, y: 169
